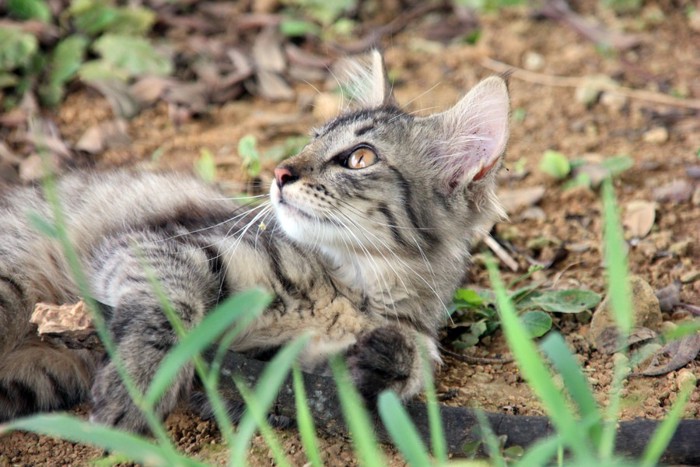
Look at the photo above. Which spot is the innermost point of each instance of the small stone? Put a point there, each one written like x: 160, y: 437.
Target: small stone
x: 696, y: 197
x: 647, y: 311
x: 682, y: 248
x: 613, y: 101
x: 533, y: 61
x: 656, y: 135
x: 685, y: 376
x: 677, y: 191
x: 690, y: 276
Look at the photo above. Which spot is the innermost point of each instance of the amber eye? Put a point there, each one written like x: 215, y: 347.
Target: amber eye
x: 361, y: 158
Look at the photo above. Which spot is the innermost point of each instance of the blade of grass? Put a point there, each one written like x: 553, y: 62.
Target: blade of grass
x: 533, y: 367
x: 621, y: 308
x: 259, y: 414
x: 541, y: 453
x: 305, y: 421
x: 437, y: 434
x: 574, y: 382
x: 74, y: 429
x: 357, y: 418
x: 265, y: 391
x: 402, y: 430
x: 249, y: 303
x: 61, y: 234
x: 663, y: 434
x: 490, y: 440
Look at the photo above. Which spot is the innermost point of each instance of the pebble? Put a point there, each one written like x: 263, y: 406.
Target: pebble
x: 681, y: 248
x: 690, y: 276
x: 696, y: 197
x: 677, y: 191
x: 533, y: 61
x: 686, y: 376
x: 656, y: 135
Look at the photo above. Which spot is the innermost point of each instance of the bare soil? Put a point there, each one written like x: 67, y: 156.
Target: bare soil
x: 663, y: 141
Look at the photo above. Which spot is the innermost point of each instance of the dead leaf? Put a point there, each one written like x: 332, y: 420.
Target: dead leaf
x: 189, y: 95
x: 514, y: 200
x: 106, y: 135
x: 669, y: 296
x: 693, y: 171
x: 118, y: 95
x: 7, y: 155
x: 682, y: 352
x: 639, y: 218
x: 149, y: 88
x: 608, y: 339
x: 60, y: 318
x: 267, y: 51
x: 32, y: 169
x: 44, y: 135
x: 677, y: 191
x: 273, y: 87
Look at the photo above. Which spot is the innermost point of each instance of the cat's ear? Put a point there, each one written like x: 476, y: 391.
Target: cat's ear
x: 363, y: 80
x: 475, y: 132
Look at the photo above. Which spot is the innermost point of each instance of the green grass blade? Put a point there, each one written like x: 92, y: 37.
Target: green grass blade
x: 663, y: 434
x: 259, y: 414
x: 357, y: 418
x: 437, y: 435
x: 265, y: 391
x: 489, y: 439
x: 533, y: 367
x: 401, y: 429
x: 541, y: 453
x: 305, y: 421
x: 249, y: 303
x: 71, y: 428
x: 575, y: 382
x: 621, y: 307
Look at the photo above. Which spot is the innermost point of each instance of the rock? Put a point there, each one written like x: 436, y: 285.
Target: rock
x: 647, y: 311
x: 533, y: 61
x: 681, y: 248
x: 696, y: 197
x: 690, y: 276
x: 677, y: 191
x: 656, y: 135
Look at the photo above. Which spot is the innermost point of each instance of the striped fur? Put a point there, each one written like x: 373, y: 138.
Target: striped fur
x: 365, y: 259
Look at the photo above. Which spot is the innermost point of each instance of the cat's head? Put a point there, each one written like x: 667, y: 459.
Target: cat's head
x: 377, y: 180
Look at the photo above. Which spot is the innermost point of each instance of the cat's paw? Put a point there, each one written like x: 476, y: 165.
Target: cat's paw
x: 383, y: 358
x: 111, y: 404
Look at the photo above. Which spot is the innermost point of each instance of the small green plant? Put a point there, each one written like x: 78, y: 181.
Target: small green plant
x: 475, y: 313
x: 578, y: 172
x: 248, y: 151
x: 555, y: 164
x: 97, y: 40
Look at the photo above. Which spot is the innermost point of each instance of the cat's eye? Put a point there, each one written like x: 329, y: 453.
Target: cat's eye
x: 361, y: 158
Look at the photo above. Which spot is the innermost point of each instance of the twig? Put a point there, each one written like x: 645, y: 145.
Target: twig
x: 575, y: 82
x: 501, y: 253
x: 476, y: 360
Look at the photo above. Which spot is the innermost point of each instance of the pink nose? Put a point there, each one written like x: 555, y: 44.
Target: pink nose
x: 284, y: 175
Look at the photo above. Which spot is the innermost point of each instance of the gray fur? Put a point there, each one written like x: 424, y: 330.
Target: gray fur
x: 365, y: 259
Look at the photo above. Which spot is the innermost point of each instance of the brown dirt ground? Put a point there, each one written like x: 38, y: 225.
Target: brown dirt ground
x: 434, y: 76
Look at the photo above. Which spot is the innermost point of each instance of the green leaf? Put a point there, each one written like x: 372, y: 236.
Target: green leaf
x: 291, y: 27
x: 205, y: 166
x: 133, y: 55
x: 16, y: 48
x: 29, y: 9
x: 67, y: 57
x: 469, y: 297
x: 402, y: 430
x: 555, y: 164
x: 617, y: 164
x: 537, y: 323
x: 92, y: 17
x: 562, y: 301
x: 8, y: 80
x: 132, y: 21
x: 250, y: 155
x: 101, y: 70
x: 73, y: 429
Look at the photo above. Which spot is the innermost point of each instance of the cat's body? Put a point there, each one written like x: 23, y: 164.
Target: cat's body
x: 369, y: 239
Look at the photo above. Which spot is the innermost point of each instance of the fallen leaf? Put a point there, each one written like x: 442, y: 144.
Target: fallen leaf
x: 267, y: 51
x: 669, y: 296
x: 677, y: 191
x: 273, y: 87
x: 106, y: 135
x: 149, y: 88
x: 514, y: 200
x: 682, y: 352
x: 118, y: 95
x: 639, y: 218
x: 608, y: 341
x: 693, y: 171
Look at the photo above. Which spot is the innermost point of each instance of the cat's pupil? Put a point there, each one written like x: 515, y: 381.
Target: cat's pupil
x: 361, y: 158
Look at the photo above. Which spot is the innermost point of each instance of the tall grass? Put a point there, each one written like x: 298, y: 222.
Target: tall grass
x: 584, y: 432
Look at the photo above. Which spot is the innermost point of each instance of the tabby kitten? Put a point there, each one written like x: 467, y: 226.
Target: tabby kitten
x: 367, y: 237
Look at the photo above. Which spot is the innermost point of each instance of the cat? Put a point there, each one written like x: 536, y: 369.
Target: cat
x: 366, y: 237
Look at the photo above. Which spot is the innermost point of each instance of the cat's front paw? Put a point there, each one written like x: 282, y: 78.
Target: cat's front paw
x: 381, y: 359
x: 111, y: 404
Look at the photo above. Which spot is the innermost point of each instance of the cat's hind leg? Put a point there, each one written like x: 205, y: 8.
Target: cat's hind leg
x: 122, y: 275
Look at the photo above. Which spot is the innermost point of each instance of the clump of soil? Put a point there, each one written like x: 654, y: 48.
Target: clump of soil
x: 662, y: 140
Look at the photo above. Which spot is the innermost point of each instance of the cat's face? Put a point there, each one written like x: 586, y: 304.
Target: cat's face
x: 379, y: 181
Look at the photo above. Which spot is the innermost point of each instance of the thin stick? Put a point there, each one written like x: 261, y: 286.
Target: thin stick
x: 501, y: 253
x: 574, y: 82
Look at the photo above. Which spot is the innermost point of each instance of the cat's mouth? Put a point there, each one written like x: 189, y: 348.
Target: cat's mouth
x: 284, y: 205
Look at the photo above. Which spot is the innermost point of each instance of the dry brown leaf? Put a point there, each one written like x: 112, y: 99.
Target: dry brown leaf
x: 149, y: 88
x: 267, y: 51
x: 681, y: 352
x: 513, y: 200
x: 61, y: 318
x: 608, y: 340
x: 273, y: 87
x: 119, y: 97
x: 639, y: 218
x: 669, y: 296
x: 677, y: 191
x: 106, y: 135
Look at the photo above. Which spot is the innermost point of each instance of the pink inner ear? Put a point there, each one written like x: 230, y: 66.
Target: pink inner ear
x: 482, y: 173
